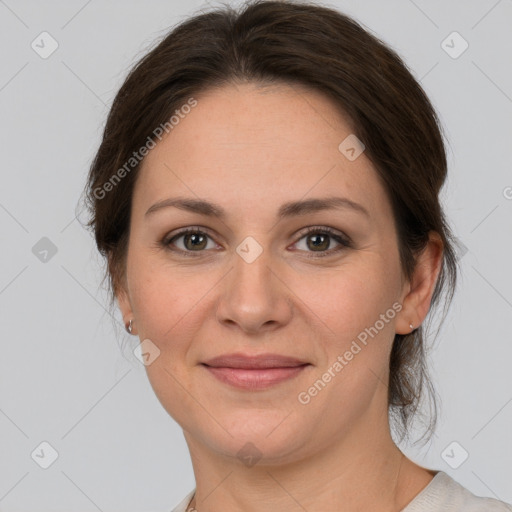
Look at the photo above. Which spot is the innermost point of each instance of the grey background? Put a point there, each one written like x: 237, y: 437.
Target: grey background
x: 63, y: 376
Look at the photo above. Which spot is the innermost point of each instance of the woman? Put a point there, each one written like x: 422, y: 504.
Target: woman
x: 266, y: 194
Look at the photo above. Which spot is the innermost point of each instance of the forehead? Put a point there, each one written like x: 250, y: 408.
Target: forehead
x: 250, y: 146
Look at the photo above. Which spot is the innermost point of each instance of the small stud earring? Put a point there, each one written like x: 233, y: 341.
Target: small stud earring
x: 129, y: 326
x: 411, y: 326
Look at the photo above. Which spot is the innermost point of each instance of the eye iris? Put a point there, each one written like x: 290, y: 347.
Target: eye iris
x: 194, y: 238
x: 324, y: 244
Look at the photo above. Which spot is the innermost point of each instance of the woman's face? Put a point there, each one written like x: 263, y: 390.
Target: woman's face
x: 253, y: 281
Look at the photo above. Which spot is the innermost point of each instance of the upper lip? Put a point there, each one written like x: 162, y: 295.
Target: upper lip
x: 245, y: 361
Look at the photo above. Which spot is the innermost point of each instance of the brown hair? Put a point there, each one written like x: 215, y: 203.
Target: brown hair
x: 267, y: 42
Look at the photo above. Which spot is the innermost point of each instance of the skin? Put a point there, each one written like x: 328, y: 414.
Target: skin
x: 250, y: 149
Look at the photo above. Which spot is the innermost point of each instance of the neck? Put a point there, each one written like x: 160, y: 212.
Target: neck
x: 361, y: 470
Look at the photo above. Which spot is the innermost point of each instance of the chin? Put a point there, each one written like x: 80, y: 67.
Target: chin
x: 268, y: 437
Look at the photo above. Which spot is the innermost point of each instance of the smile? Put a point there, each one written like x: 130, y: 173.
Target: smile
x: 256, y: 378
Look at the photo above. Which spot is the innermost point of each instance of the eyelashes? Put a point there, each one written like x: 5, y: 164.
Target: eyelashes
x: 319, y: 234
x: 327, y: 233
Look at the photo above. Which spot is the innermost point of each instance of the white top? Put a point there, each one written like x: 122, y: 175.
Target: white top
x: 442, y: 493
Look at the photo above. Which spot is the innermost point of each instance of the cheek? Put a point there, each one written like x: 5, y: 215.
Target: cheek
x: 345, y: 302
x: 354, y: 327
x: 166, y: 304
x: 164, y: 297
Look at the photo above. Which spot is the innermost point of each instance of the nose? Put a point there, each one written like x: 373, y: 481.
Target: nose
x: 254, y: 297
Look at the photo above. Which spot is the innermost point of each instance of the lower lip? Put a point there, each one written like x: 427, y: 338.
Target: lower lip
x: 254, y: 379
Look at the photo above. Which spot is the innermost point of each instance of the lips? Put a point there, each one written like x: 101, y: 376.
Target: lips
x: 254, y: 372
x: 259, y: 361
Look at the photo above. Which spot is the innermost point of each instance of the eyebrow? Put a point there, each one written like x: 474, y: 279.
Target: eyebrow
x: 290, y: 209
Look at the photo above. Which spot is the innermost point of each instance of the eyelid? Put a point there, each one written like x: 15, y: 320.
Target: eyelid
x: 166, y: 240
x: 343, y: 240
x: 325, y: 229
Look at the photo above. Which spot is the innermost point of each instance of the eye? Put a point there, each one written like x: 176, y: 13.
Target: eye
x: 194, y: 240
x: 319, y: 240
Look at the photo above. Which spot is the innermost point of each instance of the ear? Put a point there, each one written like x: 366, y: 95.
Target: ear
x: 416, y: 303
x: 122, y: 295
x: 125, y: 307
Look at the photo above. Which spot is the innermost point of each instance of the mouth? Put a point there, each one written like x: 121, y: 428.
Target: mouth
x: 254, y: 372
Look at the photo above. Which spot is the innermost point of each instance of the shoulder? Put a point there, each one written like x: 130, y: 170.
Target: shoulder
x: 444, y: 493
x: 182, y: 505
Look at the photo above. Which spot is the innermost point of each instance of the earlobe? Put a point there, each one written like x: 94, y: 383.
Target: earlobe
x: 416, y: 304
x: 120, y: 290
x: 126, y: 310
x: 404, y: 326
